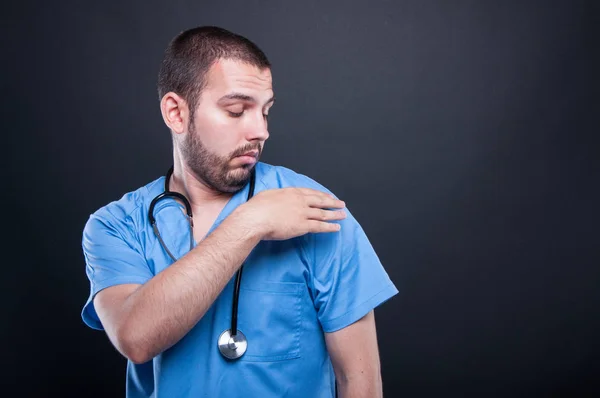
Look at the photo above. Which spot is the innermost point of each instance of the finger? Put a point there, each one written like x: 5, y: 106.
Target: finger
x: 325, y: 215
x: 316, y: 192
x: 324, y: 202
x: 310, y: 191
x: 320, y: 226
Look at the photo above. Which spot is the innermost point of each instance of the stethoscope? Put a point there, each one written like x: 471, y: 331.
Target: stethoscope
x: 232, y: 342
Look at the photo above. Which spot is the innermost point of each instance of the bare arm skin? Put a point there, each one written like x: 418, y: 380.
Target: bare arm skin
x: 355, y: 359
x: 142, y: 321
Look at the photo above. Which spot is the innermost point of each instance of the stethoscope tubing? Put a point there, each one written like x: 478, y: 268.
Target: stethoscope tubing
x: 188, y: 208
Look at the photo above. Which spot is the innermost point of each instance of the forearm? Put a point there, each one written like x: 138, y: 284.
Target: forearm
x: 164, y: 309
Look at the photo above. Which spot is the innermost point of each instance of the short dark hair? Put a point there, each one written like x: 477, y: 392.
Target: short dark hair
x: 191, y: 53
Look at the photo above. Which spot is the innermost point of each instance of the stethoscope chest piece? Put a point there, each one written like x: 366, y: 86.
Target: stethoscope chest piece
x: 232, y: 347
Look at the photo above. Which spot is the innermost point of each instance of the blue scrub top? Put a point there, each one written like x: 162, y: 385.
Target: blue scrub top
x: 291, y: 292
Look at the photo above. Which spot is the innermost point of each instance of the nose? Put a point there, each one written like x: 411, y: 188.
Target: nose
x: 257, y: 129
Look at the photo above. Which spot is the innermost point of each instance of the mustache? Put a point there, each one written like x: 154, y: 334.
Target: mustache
x: 247, y: 148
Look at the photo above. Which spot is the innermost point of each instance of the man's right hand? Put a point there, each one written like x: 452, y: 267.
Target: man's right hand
x: 286, y: 213
x: 143, y: 320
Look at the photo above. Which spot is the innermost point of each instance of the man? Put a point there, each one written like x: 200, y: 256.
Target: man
x: 310, y: 281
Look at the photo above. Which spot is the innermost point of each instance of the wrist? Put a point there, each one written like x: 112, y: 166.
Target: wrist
x: 245, y: 220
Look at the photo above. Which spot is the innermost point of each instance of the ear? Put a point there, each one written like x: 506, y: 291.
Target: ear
x: 175, y: 112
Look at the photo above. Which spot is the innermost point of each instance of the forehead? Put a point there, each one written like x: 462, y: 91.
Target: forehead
x: 231, y: 75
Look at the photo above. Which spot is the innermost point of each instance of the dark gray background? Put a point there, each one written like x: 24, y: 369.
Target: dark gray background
x: 460, y: 134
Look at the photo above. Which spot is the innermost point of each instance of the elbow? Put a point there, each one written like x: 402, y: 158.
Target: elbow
x: 359, y: 384
x: 138, y: 357
x: 132, y: 346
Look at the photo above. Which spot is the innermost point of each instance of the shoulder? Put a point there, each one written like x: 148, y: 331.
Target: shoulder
x: 125, y: 214
x: 275, y: 176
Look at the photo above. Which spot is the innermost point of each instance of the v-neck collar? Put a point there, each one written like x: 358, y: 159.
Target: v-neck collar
x: 234, y: 201
x: 237, y: 199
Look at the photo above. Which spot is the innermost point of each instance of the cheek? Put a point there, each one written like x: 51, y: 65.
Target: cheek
x: 217, y: 132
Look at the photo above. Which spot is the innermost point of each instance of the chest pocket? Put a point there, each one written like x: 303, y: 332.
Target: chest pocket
x: 270, y: 315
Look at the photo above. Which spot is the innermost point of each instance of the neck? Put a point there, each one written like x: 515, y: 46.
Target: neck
x: 197, y: 191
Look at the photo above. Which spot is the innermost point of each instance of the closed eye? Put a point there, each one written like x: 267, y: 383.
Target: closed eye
x: 234, y: 114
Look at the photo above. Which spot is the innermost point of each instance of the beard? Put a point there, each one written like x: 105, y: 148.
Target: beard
x: 214, y: 170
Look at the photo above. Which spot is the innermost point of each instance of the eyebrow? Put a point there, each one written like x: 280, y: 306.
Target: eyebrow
x: 241, y: 97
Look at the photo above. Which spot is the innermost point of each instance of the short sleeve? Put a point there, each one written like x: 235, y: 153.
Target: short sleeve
x: 348, y: 279
x: 112, y: 257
